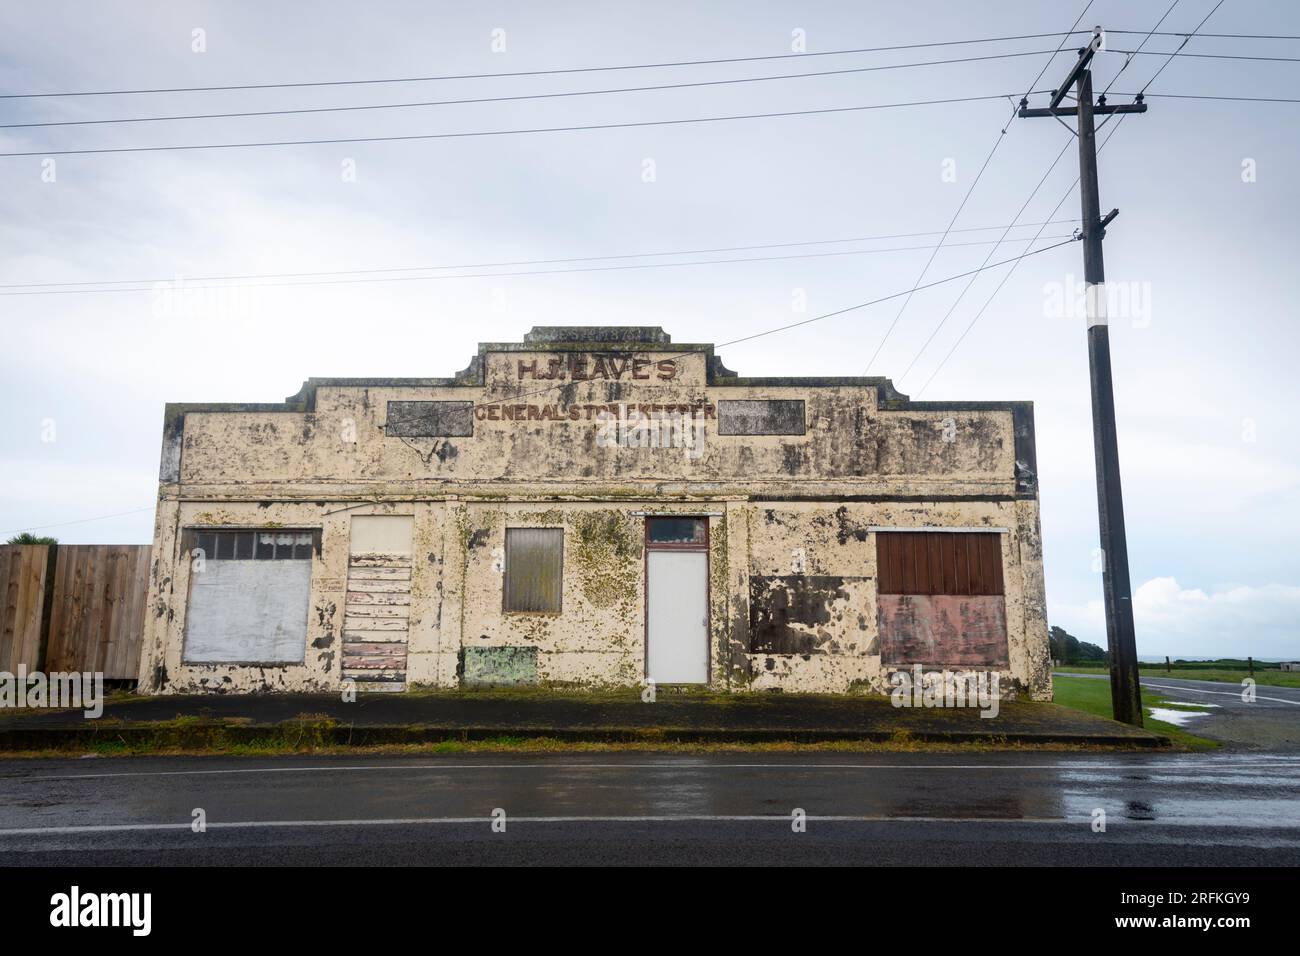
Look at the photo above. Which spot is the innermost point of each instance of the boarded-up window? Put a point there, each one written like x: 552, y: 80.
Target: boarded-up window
x: 250, y: 593
x: 939, y: 562
x: 534, y: 569
x: 430, y: 420
x: 941, y: 598
x: 777, y: 416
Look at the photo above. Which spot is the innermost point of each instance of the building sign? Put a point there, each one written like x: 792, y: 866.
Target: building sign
x: 586, y: 367
x: 521, y: 412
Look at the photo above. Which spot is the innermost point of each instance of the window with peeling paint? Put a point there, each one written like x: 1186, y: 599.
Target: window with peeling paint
x: 534, y: 569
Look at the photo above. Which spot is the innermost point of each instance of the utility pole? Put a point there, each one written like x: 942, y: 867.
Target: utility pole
x: 1125, y: 691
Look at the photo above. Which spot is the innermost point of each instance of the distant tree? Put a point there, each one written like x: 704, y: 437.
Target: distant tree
x: 28, y: 538
x: 1068, y: 649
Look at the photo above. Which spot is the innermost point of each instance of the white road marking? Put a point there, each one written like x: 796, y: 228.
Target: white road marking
x: 1212, y: 822
x: 1222, y: 693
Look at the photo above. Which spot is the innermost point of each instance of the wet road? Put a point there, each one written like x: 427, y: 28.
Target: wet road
x: 1270, y: 722
x: 639, y: 809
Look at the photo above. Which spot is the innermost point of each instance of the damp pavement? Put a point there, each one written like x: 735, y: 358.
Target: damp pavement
x: 997, y: 809
x: 1270, y: 722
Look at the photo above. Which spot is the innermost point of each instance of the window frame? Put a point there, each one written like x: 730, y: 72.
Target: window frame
x: 189, y: 540
x: 190, y: 536
x: 505, y: 573
x: 652, y: 545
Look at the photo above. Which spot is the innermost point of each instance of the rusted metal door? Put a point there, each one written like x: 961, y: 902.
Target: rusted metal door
x: 677, y: 601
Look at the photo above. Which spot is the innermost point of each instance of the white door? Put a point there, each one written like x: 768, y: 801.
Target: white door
x: 677, y: 612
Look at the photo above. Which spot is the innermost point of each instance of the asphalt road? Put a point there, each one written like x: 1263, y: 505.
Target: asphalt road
x: 1011, y: 809
x: 1270, y: 722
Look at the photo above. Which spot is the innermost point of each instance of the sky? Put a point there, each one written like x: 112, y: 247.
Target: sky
x: 1201, y: 258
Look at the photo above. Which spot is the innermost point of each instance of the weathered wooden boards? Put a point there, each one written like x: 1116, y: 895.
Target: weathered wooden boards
x: 22, y: 590
x: 94, y: 605
x: 376, y: 620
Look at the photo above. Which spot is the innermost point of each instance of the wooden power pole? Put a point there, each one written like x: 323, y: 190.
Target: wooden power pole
x: 1125, y: 691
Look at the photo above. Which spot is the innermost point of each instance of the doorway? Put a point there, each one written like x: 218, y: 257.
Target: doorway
x: 677, y: 600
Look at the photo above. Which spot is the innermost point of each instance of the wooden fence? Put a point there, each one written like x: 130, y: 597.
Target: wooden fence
x: 24, y: 572
x: 90, y: 607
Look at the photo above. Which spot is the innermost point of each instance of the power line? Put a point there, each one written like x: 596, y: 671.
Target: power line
x: 1052, y: 214
x: 504, y: 275
x: 61, y: 524
x: 587, y: 127
x: 1234, y: 99
x: 1215, y: 36
x: 1181, y: 45
x: 952, y: 222
x: 961, y: 295
x: 553, y: 72
x: 505, y: 132
x: 1211, y: 56
x: 1146, y: 39
x: 793, y: 325
x: 604, y: 69
x: 998, y: 288
x: 547, y: 388
x: 519, y: 262
x: 515, y: 98
x: 1025, y: 205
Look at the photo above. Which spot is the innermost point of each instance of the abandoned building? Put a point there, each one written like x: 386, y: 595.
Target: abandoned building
x: 595, y: 506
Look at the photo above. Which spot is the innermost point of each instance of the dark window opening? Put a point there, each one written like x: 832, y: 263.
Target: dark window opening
x: 676, y: 530
x: 255, y: 545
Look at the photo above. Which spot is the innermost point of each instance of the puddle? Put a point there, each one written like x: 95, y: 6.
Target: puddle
x: 1178, y: 718
x: 1189, y: 703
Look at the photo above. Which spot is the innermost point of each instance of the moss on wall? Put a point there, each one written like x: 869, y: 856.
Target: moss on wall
x: 607, y: 550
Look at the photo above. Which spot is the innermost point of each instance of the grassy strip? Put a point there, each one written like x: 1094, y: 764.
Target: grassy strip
x: 275, y: 746
x: 1269, y: 678
x: 1093, y: 697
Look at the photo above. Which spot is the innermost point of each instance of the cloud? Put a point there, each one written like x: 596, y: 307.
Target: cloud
x: 1261, y: 621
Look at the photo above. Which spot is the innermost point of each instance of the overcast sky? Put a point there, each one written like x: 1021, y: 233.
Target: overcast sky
x: 1204, y: 249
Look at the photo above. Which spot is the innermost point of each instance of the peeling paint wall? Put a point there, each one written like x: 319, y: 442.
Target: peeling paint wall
x: 792, y: 558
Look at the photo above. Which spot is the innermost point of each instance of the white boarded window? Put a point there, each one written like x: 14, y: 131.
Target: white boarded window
x: 534, y: 569
x: 250, y: 593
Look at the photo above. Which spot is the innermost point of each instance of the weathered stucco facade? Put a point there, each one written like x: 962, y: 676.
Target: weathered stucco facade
x: 798, y: 489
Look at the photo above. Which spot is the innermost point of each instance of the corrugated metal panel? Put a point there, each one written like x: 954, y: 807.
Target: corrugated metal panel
x: 919, y: 562
x: 534, y: 569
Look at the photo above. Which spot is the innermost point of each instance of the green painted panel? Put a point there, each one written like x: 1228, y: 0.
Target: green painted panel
x: 497, y: 666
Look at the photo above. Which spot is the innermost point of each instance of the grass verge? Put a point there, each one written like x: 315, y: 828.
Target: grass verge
x: 1263, y: 677
x: 1093, y: 697
x: 278, y: 747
